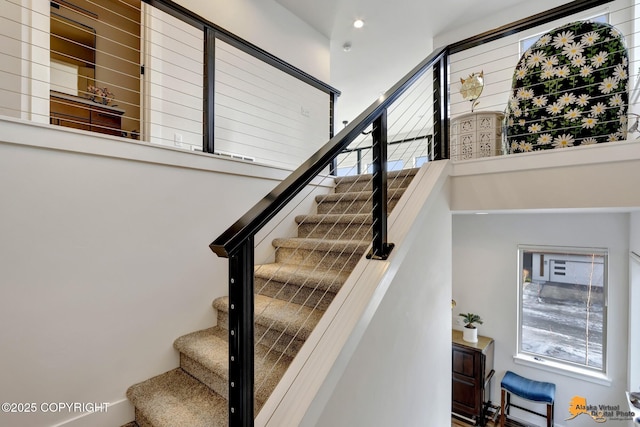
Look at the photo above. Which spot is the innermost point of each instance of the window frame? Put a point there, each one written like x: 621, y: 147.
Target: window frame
x: 577, y: 370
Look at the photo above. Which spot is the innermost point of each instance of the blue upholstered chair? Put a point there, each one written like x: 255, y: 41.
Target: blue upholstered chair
x: 570, y: 88
x: 524, y: 388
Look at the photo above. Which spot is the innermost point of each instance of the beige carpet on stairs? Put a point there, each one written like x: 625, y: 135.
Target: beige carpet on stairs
x: 292, y: 294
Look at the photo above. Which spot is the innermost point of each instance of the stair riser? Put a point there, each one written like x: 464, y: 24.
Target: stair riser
x: 351, y: 206
x: 271, y: 338
x: 141, y: 420
x: 207, y: 377
x: 303, y: 295
x: 332, y: 260
x: 335, y: 231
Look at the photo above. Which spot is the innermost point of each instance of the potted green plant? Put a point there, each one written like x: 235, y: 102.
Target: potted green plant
x: 470, y: 332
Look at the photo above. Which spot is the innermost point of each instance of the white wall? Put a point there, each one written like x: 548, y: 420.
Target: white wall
x: 174, y: 68
x: 400, y: 374
x: 271, y: 27
x: 264, y: 113
x: 105, y: 262
x: 485, y: 281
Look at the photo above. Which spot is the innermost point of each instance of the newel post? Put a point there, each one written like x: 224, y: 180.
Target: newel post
x: 241, y: 336
x: 380, y: 248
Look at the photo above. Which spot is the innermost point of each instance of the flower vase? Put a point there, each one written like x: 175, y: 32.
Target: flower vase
x: 470, y: 334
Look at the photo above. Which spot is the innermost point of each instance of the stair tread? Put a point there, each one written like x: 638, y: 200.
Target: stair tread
x: 355, y: 219
x: 210, y: 348
x: 321, y: 244
x: 367, y: 176
x: 288, y: 317
x: 175, y: 398
x: 319, y: 278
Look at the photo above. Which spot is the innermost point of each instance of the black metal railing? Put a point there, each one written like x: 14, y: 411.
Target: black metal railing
x: 237, y: 242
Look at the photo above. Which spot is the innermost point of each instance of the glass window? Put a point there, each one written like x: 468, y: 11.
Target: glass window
x: 562, y: 305
x: 420, y: 160
x: 392, y: 165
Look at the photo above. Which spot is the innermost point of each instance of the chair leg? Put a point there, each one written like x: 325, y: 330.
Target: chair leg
x: 550, y: 415
x: 502, y: 407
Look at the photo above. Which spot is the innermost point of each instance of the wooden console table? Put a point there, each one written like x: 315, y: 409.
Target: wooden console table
x: 472, y: 370
x: 80, y: 113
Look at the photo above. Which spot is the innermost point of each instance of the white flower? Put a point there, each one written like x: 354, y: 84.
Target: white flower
x: 515, y: 145
x: 598, y: 109
x: 563, y: 141
x: 554, y: 109
x: 544, y: 40
x: 615, y: 100
x: 510, y: 122
x: 524, y: 93
x: 514, y: 103
x: 525, y: 146
x: 562, y: 72
x: 620, y: 72
x: 612, y: 137
x: 522, y: 122
x: 534, y: 128
x: 586, y: 71
x: 589, y: 141
x: 517, y: 112
x: 535, y: 58
x: 572, y: 50
x: 567, y: 99
x: 573, y: 114
x: 540, y: 101
x: 563, y: 39
x: 578, y: 61
x: 589, y: 122
x: 599, y: 59
x: 590, y: 38
x: 550, y: 62
x: 521, y: 73
x: 608, y: 85
x: 583, y: 100
x: 547, y: 73
x: 545, y: 138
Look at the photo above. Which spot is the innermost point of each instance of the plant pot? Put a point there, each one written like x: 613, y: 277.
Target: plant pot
x: 470, y: 334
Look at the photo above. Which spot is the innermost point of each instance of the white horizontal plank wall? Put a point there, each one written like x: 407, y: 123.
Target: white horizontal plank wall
x: 264, y: 114
x: 498, y: 60
x: 24, y: 60
x: 174, y: 68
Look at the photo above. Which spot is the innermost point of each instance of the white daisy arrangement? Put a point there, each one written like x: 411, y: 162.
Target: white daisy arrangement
x: 570, y: 88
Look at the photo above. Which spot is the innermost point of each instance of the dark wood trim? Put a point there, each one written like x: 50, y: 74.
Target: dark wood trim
x: 57, y: 3
x: 197, y: 21
x: 541, y: 18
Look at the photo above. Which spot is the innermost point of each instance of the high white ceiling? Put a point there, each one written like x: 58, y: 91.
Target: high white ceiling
x: 333, y: 18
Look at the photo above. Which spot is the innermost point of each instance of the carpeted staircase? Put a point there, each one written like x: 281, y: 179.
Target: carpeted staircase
x: 291, y: 295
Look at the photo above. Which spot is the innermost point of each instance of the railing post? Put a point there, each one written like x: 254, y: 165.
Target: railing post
x: 241, y: 336
x: 441, y: 108
x: 380, y: 248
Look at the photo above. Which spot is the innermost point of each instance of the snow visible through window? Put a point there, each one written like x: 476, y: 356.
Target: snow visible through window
x: 562, y: 307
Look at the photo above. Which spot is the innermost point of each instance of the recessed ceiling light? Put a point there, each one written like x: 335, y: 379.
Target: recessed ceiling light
x: 346, y: 47
x: 358, y: 23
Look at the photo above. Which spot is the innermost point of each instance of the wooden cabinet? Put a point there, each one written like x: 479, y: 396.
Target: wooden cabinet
x: 472, y: 370
x: 79, y: 113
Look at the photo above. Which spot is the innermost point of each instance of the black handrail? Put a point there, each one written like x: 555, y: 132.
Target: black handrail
x: 237, y: 241
x: 251, y: 222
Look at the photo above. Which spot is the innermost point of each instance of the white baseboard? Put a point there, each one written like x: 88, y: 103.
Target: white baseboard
x: 117, y: 414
